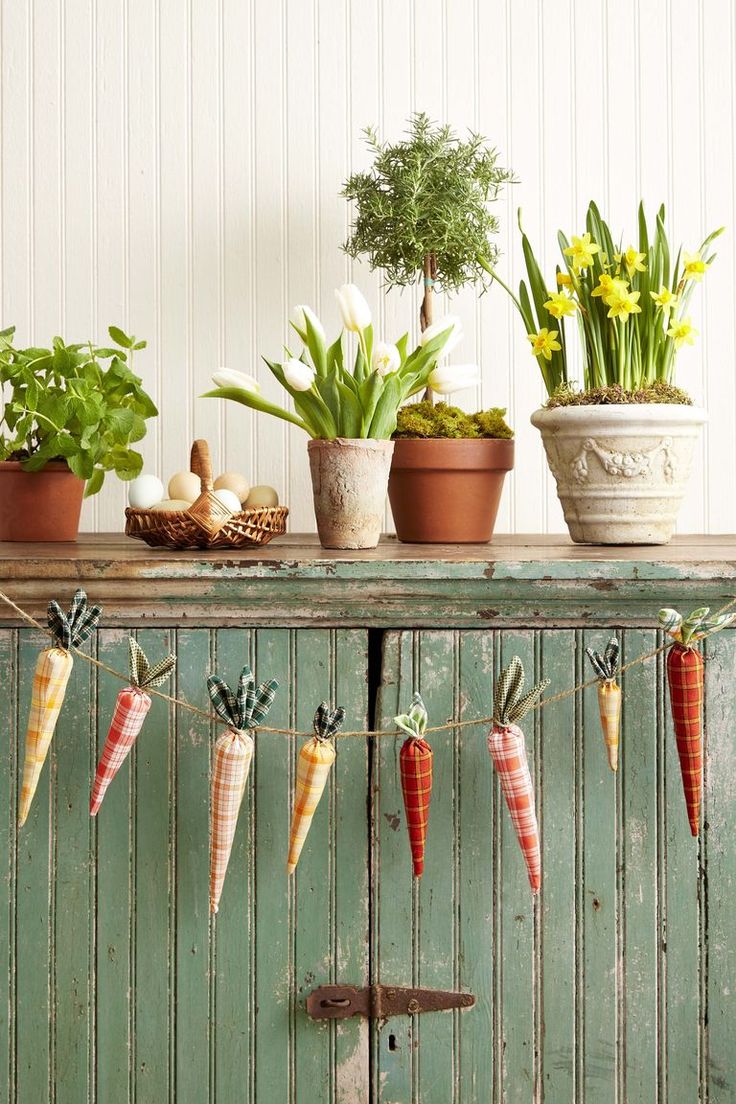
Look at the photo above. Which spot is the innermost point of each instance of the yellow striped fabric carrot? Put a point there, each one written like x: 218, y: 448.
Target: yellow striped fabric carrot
x: 312, y: 771
x: 232, y: 759
x: 606, y: 667
x: 53, y: 668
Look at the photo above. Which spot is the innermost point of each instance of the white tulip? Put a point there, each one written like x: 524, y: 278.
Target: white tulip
x: 448, y: 322
x: 386, y: 358
x: 228, y: 377
x: 446, y: 378
x: 298, y: 375
x: 354, y: 309
x: 299, y: 317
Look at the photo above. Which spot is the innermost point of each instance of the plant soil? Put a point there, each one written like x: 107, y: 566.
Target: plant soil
x: 616, y: 395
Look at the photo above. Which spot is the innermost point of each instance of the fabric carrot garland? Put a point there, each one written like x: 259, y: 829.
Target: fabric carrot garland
x: 131, y: 708
x: 232, y: 758
x: 686, y: 678
x: 415, y: 765
x: 312, y: 771
x: 609, y: 696
x: 53, y: 668
x: 508, y: 750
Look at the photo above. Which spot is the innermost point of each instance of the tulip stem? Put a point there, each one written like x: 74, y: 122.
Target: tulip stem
x: 429, y: 274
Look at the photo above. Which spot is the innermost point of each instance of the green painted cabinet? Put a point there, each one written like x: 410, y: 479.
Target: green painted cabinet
x: 617, y: 985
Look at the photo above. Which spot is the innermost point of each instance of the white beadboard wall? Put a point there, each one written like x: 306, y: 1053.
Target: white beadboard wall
x: 174, y: 166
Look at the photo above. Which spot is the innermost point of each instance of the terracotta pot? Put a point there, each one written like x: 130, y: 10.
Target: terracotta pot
x: 621, y: 471
x: 447, y: 491
x: 349, y: 480
x: 39, y: 506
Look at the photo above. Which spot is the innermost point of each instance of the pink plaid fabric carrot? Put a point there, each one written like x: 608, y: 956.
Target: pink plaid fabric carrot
x: 609, y: 696
x: 415, y: 765
x: 508, y: 751
x: 131, y: 708
x: 53, y: 669
x: 686, y: 678
x: 312, y: 771
x: 232, y: 759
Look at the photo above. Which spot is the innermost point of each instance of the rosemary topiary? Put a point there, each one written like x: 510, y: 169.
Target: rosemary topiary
x: 424, y: 419
x: 422, y: 208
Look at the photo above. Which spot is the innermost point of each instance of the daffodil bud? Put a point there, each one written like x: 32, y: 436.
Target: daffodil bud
x: 228, y: 377
x: 386, y: 358
x: 446, y: 378
x: 354, y: 309
x: 298, y: 375
x: 299, y: 317
x: 451, y: 324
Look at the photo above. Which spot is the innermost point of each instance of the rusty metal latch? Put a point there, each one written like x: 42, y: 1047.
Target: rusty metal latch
x: 332, y: 1002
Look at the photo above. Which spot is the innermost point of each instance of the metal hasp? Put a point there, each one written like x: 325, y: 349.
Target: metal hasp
x: 332, y: 1002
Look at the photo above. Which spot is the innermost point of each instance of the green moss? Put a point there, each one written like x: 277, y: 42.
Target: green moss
x: 424, y: 419
x: 657, y: 392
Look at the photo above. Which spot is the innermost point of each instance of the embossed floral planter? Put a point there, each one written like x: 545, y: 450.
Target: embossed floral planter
x: 621, y: 471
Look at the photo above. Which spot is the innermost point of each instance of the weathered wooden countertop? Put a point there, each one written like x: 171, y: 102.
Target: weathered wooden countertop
x: 523, y: 580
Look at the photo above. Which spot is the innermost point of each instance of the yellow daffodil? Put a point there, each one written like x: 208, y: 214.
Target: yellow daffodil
x: 682, y: 333
x: 664, y: 298
x: 634, y: 261
x: 693, y: 266
x: 564, y: 280
x: 622, y: 302
x: 581, y: 252
x: 559, y: 306
x: 604, y: 287
x: 544, y: 343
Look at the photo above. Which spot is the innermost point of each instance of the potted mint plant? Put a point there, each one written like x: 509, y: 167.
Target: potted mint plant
x: 621, y: 447
x: 71, y: 414
x: 348, y: 411
x: 422, y: 214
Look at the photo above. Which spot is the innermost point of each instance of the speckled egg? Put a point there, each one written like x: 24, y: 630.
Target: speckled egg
x: 261, y: 496
x: 185, y: 485
x: 144, y: 492
x: 172, y: 505
x: 229, y: 500
x: 233, y: 481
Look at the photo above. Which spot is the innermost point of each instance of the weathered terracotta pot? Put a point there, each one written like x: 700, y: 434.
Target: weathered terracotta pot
x: 621, y: 471
x: 39, y: 506
x: 447, y: 491
x: 349, y: 480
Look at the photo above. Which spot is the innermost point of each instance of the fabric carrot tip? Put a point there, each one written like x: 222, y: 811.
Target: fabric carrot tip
x: 418, y: 869
x: 613, y: 758
x: 290, y: 868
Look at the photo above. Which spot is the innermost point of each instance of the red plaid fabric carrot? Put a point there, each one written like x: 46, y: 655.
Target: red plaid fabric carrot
x: 606, y: 667
x: 508, y: 751
x: 53, y: 668
x: 312, y: 771
x: 686, y: 679
x: 415, y: 766
x: 232, y: 759
x: 131, y: 707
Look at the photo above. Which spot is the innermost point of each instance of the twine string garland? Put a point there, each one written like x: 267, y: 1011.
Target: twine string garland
x: 478, y: 721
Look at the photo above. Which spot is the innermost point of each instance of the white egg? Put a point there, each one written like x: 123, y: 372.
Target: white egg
x: 229, y: 500
x: 144, y: 492
x: 261, y: 496
x: 172, y: 505
x: 233, y: 481
x: 185, y: 485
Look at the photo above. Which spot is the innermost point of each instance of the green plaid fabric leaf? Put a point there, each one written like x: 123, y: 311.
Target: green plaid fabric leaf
x: 72, y: 629
x: 606, y: 665
x: 264, y: 700
x: 247, y: 708
x: 508, y: 704
x: 522, y: 707
x: 670, y: 620
x: 414, y: 723
x: 246, y: 696
x: 142, y: 674
x: 223, y: 700
x: 328, y: 721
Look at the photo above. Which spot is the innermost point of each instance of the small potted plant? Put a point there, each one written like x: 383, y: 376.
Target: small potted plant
x: 348, y: 412
x: 71, y: 414
x: 434, y: 502
x: 422, y: 213
x: 621, y: 448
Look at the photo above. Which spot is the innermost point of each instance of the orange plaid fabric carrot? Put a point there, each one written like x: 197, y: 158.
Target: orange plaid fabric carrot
x: 53, y: 668
x: 508, y: 750
x: 415, y: 765
x: 609, y: 696
x: 686, y: 678
x: 312, y: 771
x: 232, y: 759
x: 131, y: 707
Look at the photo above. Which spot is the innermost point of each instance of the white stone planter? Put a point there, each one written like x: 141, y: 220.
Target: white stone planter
x: 621, y: 471
x: 349, y: 481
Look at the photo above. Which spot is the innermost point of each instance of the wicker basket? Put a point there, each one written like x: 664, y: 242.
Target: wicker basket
x: 206, y: 524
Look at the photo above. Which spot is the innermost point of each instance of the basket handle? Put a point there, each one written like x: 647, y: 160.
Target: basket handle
x: 201, y: 464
